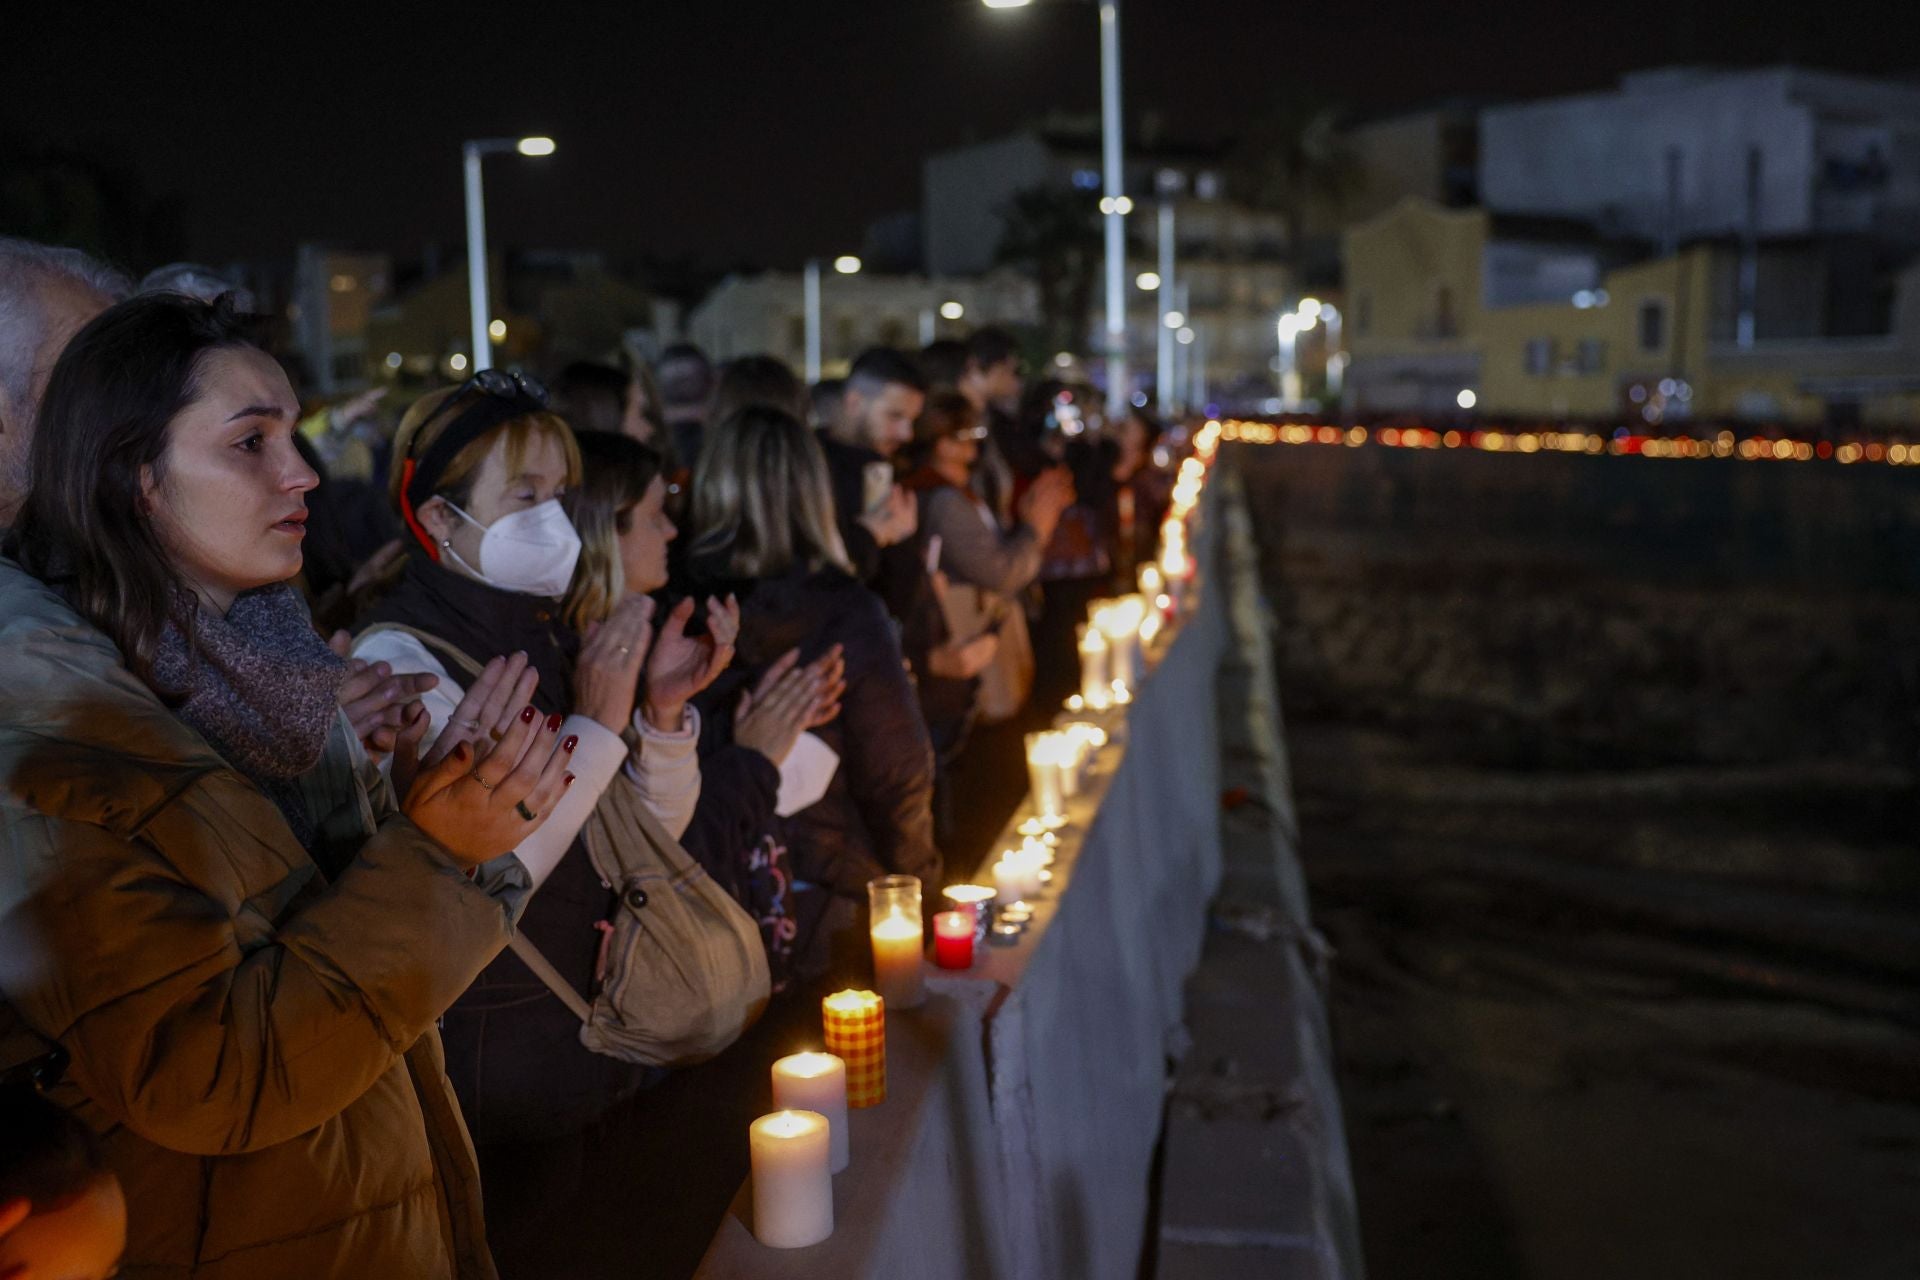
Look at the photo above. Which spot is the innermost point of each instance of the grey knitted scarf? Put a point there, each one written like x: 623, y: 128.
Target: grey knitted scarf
x: 261, y: 687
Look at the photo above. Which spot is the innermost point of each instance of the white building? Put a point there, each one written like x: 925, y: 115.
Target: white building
x: 764, y: 314
x: 1678, y: 154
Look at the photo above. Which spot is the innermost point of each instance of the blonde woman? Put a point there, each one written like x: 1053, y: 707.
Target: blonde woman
x: 762, y: 529
x: 478, y: 477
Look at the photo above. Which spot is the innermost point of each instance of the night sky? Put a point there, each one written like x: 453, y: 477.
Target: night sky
x: 732, y: 133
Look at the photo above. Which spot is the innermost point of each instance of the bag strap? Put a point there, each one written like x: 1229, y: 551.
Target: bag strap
x: 431, y: 641
x: 522, y: 946
x: 519, y: 944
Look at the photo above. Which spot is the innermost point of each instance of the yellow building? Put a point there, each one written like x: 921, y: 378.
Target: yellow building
x: 1534, y: 323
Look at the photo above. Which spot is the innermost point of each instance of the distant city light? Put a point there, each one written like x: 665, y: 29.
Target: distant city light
x: 951, y: 311
x: 342, y: 284
x: 395, y: 359
x: 1185, y: 335
x: 1122, y: 205
x: 1063, y: 359
x: 1309, y: 308
x: 1583, y: 299
x: 1466, y: 399
x: 457, y: 362
x: 1175, y: 319
x: 846, y: 264
x: 536, y: 146
x: 1006, y: 4
x: 1147, y: 281
x: 497, y: 330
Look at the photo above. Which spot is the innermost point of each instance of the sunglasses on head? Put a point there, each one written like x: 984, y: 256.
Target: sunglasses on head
x: 504, y: 385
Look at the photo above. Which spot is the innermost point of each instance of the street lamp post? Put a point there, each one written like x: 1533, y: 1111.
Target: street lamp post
x: 1164, y: 382
x: 479, y: 318
x: 1114, y: 202
x: 846, y: 264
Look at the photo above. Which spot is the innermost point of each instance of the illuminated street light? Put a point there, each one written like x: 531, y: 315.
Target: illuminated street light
x: 1176, y: 319
x: 952, y: 311
x: 497, y: 331
x: 846, y: 264
x: 1115, y: 204
x: 1309, y: 308
x: 1147, y: 281
x: 1466, y: 399
x: 477, y: 308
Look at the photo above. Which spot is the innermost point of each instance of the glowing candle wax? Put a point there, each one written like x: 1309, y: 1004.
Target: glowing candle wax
x: 953, y: 940
x: 816, y: 1082
x: 856, y: 1029
x: 792, y: 1183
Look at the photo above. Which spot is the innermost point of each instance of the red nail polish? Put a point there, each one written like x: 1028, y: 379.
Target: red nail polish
x: 566, y: 781
x: 527, y: 715
x: 554, y: 722
x: 573, y: 740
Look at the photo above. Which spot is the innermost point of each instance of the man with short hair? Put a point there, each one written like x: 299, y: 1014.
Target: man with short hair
x: 686, y: 383
x: 883, y: 395
x: 990, y: 379
x: 47, y: 294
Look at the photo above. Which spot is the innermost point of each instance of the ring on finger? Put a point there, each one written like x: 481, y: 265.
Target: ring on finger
x: 475, y: 775
x: 521, y: 807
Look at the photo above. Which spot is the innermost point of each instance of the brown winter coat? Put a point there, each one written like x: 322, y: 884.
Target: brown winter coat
x: 255, y: 1041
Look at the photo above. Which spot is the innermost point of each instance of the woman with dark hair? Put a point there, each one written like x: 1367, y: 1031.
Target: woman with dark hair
x: 763, y: 529
x: 240, y: 941
x: 624, y: 537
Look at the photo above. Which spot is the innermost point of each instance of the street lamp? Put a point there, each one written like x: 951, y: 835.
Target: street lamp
x: 478, y: 318
x: 1288, y: 329
x: 846, y: 264
x: 1114, y: 203
x: 1164, y: 379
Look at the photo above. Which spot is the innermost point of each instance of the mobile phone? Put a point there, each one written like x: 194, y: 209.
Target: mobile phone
x: 876, y: 486
x: 933, y: 553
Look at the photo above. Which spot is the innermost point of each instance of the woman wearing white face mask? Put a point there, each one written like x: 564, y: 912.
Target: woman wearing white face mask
x: 478, y: 472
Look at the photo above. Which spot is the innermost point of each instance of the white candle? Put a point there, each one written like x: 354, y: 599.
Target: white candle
x: 1093, y: 668
x: 1009, y: 879
x: 1046, y: 756
x: 897, y: 972
x: 816, y: 1082
x: 792, y: 1180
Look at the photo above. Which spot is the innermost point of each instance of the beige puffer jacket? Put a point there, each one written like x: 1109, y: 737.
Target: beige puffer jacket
x: 256, y: 1044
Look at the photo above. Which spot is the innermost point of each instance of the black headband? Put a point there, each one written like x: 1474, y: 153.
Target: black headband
x: 487, y: 411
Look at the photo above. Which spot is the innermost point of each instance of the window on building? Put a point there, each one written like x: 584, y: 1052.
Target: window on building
x: 1590, y: 356
x: 1539, y: 357
x: 1653, y: 325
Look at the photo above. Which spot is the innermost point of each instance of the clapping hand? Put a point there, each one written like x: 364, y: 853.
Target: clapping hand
x: 787, y: 701
x: 482, y: 798
x: 682, y: 665
x: 377, y: 701
x: 608, y: 671
x: 484, y: 715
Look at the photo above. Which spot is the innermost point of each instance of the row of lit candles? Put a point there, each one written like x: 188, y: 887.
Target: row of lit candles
x: 1723, y: 445
x: 796, y: 1150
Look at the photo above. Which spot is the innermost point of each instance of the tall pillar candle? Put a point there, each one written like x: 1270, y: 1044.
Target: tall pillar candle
x: 856, y: 1033
x: 792, y: 1181
x: 816, y: 1082
x: 1045, y: 756
x: 899, y: 940
x: 1094, y: 679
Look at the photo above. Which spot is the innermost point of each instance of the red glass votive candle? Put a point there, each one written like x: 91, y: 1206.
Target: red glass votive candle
x: 953, y: 940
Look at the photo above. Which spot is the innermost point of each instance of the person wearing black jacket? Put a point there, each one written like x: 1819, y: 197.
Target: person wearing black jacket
x: 762, y: 528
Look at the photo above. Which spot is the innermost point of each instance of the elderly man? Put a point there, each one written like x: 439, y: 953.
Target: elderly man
x: 46, y: 295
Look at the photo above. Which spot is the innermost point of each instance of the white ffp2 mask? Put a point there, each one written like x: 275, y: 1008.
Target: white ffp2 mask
x: 532, y: 551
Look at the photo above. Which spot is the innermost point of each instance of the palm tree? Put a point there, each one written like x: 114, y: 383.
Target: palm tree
x: 1054, y: 234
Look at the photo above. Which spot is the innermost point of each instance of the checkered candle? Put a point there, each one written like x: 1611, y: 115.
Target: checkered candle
x: 856, y: 1027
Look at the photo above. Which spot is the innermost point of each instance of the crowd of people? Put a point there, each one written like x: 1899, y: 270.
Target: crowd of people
x: 416, y: 831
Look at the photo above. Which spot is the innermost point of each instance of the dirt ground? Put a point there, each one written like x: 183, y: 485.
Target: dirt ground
x: 1590, y: 1033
